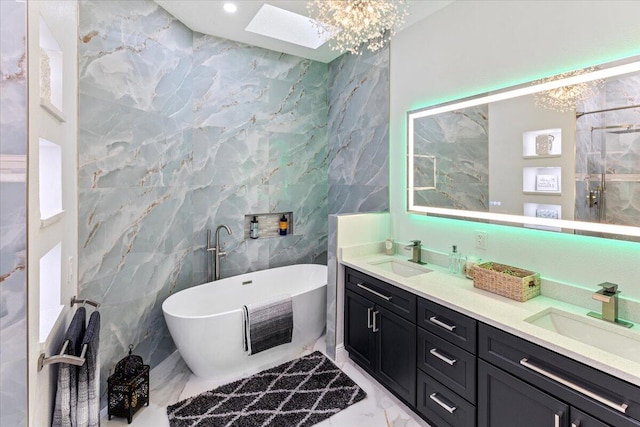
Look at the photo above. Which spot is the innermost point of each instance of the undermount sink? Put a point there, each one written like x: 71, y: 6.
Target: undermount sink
x: 400, y: 268
x: 597, y: 333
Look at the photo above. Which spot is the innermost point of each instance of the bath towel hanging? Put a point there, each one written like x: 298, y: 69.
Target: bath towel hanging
x: 268, y: 324
x: 64, y: 414
x: 89, y: 376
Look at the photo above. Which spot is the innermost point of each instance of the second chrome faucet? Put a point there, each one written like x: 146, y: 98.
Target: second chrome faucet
x: 416, y: 251
x: 608, y: 296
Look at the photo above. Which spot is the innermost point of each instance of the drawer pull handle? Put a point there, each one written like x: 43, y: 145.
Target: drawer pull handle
x: 621, y: 407
x: 434, y: 319
x: 449, y: 409
x: 378, y: 294
x: 375, y: 321
x: 575, y: 424
x: 445, y: 359
x: 556, y: 420
x: 369, y: 322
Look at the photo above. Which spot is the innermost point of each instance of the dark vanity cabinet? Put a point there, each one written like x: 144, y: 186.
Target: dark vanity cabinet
x: 519, y: 380
x: 380, y: 332
x: 455, y: 371
x: 446, y: 366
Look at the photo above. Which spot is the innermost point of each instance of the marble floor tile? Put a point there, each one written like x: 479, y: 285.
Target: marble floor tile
x: 172, y: 381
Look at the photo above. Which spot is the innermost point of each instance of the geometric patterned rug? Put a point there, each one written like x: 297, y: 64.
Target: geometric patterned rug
x: 299, y: 393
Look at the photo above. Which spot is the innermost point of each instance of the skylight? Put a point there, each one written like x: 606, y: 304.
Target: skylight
x: 287, y: 26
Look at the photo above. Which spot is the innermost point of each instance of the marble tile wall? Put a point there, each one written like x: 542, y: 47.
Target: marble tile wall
x: 180, y: 132
x: 459, y: 144
x: 259, y: 146
x: 358, y: 149
x: 615, y: 151
x: 13, y: 221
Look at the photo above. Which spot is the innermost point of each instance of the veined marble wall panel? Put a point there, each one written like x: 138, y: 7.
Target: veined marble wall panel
x: 181, y: 132
x: 359, y: 133
x: 358, y: 150
x: 459, y: 142
x: 332, y: 285
x: 260, y: 145
x: 13, y: 220
x: 136, y: 54
x: 135, y: 172
x: 127, y: 147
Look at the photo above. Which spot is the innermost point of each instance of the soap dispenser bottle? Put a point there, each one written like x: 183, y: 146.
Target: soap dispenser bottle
x: 283, y: 226
x: 454, y: 260
x: 253, y: 228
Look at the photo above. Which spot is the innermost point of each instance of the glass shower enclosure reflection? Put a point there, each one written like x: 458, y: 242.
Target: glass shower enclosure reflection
x: 608, y: 154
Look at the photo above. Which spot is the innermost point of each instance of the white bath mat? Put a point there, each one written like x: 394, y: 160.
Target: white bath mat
x: 302, y: 392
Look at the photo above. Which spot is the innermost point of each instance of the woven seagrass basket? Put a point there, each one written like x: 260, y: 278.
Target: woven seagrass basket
x: 511, y: 282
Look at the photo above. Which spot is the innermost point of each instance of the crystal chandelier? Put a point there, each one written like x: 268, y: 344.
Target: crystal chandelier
x: 565, y: 98
x: 356, y: 23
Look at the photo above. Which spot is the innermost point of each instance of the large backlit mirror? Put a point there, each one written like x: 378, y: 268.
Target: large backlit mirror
x: 561, y: 154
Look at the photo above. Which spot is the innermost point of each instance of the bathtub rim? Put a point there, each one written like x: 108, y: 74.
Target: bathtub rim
x: 209, y: 315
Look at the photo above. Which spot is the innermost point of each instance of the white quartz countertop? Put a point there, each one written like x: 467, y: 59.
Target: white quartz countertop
x: 457, y: 292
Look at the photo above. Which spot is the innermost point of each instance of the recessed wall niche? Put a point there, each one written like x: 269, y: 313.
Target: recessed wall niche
x: 542, y: 143
x: 541, y: 210
x: 50, y: 282
x: 50, y: 182
x: 50, y: 73
x: 542, y: 180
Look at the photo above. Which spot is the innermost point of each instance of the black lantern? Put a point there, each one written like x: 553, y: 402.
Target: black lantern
x: 128, y: 387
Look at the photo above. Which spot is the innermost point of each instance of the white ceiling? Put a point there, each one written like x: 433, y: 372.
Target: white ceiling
x: 208, y: 17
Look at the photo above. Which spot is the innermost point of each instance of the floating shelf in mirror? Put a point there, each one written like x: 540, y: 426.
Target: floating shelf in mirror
x: 542, y: 143
x: 496, y: 151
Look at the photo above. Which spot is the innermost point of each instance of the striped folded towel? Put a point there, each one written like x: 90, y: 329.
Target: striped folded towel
x: 267, y: 324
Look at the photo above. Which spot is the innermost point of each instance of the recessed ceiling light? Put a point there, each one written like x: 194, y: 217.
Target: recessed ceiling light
x: 230, y: 7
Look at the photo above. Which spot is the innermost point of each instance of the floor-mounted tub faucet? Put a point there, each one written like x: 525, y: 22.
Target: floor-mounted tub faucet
x: 218, y: 252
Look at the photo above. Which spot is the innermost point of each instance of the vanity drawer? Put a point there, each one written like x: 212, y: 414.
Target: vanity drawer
x: 573, y: 380
x: 447, y: 363
x: 580, y: 419
x: 447, y: 324
x: 392, y: 298
x: 441, y: 406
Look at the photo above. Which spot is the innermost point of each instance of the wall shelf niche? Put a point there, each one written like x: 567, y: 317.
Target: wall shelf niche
x: 542, y: 180
x: 50, y: 73
x: 50, y: 182
x: 542, y: 143
x: 541, y: 210
x: 50, y: 290
x: 268, y: 224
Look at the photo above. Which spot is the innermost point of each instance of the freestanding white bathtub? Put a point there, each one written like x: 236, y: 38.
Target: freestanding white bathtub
x: 205, y: 321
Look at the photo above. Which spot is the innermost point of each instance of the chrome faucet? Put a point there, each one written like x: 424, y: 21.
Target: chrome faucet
x: 416, y: 255
x: 218, y: 252
x: 608, y: 295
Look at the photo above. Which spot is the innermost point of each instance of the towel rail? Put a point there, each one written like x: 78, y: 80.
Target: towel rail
x: 75, y: 300
x: 62, y: 357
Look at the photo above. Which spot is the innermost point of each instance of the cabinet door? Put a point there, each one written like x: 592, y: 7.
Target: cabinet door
x: 505, y: 401
x: 359, y: 339
x: 396, y: 353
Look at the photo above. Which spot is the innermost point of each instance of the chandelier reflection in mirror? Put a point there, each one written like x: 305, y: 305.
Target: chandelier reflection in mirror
x: 565, y: 98
x: 356, y: 24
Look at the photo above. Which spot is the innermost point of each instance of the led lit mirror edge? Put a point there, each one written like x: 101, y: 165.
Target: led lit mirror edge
x: 612, y: 69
